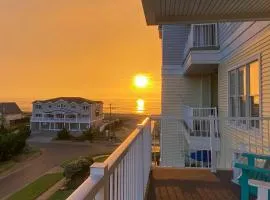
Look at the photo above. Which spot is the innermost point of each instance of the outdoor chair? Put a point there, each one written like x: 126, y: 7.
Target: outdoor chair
x: 254, y: 180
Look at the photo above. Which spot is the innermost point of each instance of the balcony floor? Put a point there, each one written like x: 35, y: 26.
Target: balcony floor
x: 191, y: 184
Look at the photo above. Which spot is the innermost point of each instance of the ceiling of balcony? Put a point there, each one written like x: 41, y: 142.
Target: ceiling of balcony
x: 201, y: 11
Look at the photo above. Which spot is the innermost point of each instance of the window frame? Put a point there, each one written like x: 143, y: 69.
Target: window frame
x: 246, y: 64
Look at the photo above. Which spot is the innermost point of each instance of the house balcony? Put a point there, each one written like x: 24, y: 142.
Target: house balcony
x: 60, y: 120
x: 131, y: 171
x: 201, y: 51
x: 198, y: 126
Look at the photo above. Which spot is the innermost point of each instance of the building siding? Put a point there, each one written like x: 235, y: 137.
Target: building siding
x: 257, y: 46
x: 239, y: 42
x: 174, y: 38
x: 226, y: 30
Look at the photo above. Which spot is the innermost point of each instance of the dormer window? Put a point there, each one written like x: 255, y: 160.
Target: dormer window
x: 85, y: 107
x: 61, y: 105
x: 38, y: 106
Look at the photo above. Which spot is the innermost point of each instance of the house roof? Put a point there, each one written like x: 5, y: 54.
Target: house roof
x: 204, y: 11
x: 77, y: 100
x: 9, y: 108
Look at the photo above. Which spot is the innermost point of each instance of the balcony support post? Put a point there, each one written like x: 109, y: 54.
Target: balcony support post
x: 212, y: 145
x: 101, y: 170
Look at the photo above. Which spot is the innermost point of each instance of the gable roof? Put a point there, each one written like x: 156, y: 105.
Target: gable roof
x: 77, y: 100
x: 9, y: 108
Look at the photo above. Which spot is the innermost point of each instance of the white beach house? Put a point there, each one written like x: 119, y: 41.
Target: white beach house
x: 73, y: 113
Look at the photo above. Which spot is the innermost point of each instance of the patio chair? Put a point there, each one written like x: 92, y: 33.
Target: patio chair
x: 254, y: 179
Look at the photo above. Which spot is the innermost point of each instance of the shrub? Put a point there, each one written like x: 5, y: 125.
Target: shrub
x: 3, y: 130
x: 63, y: 134
x: 90, y: 133
x: 12, y: 143
x: 77, y: 170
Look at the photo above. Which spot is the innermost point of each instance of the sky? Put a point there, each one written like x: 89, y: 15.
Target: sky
x: 88, y: 48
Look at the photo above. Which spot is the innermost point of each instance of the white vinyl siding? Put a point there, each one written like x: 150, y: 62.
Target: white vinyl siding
x: 226, y: 30
x: 259, y: 48
x: 174, y: 39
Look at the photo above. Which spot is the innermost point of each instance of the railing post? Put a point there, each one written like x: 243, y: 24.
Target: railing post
x: 192, y: 35
x: 216, y: 33
x: 101, y: 169
x: 213, y: 145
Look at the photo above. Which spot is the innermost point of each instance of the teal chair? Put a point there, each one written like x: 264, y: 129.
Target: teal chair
x: 250, y: 171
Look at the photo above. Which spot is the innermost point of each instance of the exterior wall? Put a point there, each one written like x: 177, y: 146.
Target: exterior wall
x: 96, y: 113
x: 177, y: 90
x: 253, y: 42
x: 174, y: 38
x: 11, y: 117
x: 239, y: 42
x: 226, y: 30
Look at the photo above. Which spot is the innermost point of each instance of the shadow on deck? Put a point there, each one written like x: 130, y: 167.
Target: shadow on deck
x: 191, y: 184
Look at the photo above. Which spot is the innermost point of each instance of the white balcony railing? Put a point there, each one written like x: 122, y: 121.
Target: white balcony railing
x: 125, y: 173
x: 194, y: 118
x: 60, y: 120
x: 202, y: 36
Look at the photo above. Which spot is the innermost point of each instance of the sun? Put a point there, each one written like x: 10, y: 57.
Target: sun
x: 141, y: 81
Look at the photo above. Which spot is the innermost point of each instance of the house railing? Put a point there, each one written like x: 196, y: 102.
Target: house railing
x: 125, y: 173
x: 202, y: 36
x: 192, y: 118
x: 54, y: 119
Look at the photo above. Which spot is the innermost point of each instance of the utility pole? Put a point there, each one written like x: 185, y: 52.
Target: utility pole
x: 111, y: 108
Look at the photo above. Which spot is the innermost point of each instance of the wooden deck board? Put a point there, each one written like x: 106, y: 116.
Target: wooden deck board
x: 191, y: 184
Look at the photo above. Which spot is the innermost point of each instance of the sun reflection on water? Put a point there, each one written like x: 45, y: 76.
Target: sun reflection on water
x: 140, y: 106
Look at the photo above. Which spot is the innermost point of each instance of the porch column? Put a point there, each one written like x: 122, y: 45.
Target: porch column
x: 68, y: 126
x: 79, y: 126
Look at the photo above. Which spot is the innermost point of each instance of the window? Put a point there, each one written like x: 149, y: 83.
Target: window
x: 85, y: 107
x: 38, y: 106
x: 61, y: 105
x: 38, y: 115
x: 244, y: 99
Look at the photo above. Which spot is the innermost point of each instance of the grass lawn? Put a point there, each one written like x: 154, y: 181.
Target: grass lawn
x: 35, y: 189
x: 61, y: 195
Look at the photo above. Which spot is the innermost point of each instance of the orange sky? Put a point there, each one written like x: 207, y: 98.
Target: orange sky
x: 89, y: 48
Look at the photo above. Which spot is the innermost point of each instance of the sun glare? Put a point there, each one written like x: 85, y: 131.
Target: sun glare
x: 141, y: 81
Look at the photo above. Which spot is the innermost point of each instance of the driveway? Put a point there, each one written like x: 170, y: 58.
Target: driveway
x: 53, y: 155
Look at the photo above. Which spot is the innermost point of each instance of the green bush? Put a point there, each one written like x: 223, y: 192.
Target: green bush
x: 90, y: 133
x: 3, y: 130
x: 12, y: 143
x: 63, y: 134
x: 77, y: 170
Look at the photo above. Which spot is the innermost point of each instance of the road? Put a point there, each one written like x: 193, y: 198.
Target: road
x: 53, y: 155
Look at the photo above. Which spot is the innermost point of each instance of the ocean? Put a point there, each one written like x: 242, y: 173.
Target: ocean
x: 123, y: 106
